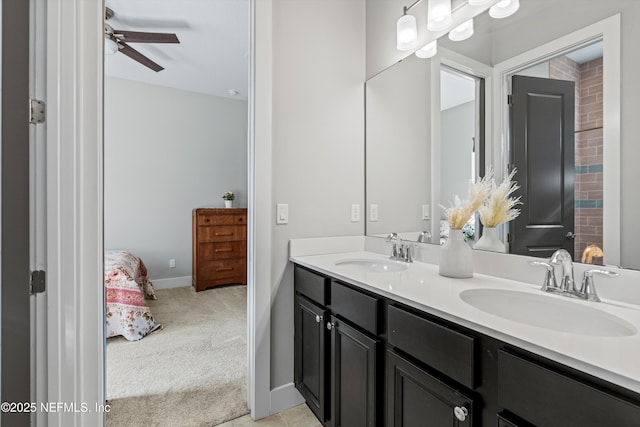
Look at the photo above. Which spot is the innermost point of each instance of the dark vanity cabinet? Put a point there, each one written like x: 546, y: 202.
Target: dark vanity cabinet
x: 337, y: 352
x: 362, y: 359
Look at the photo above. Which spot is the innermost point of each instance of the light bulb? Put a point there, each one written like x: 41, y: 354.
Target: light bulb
x: 439, y: 17
x: 428, y: 50
x: 504, y: 8
x: 407, y: 33
x: 462, y: 31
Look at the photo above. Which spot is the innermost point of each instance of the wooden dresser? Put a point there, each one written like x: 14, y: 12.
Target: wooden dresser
x: 219, y: 247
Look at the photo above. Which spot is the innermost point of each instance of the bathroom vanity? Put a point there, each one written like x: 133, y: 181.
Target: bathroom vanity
x: 379, y: 343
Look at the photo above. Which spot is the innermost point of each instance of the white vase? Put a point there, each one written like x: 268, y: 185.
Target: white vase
x: 228, y: 203
x: 490, y: 241
x: 456, y: 257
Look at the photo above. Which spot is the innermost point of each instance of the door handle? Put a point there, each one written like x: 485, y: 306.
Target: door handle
x: 318, y: 318
x: 570, y: 235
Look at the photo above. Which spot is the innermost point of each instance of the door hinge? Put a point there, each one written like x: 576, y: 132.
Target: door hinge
x: 38, y: 282
x: 510, y: 100
x: 37, y: 111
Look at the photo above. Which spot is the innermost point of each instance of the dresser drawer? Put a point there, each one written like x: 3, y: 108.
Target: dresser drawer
x: 209, y: 219
x: 222, y: 269
x: 358, y: 307
x: 222, y: 250
x: 222, y: 233
x: 438, y: 346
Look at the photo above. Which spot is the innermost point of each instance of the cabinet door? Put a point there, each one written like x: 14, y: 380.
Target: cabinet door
x: 311, y: 355
x: 354, y: 376
x: 416, y: 398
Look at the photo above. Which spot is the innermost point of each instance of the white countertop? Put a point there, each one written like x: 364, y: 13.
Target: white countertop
x: 614, y: 359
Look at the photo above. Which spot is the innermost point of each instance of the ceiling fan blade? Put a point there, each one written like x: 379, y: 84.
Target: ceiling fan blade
x: 142, y: 37
x: 137, y: 56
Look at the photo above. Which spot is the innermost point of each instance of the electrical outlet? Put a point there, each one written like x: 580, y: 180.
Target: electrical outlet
x: 373, y: 212
x: 355, y: 213
x: 172, y: 263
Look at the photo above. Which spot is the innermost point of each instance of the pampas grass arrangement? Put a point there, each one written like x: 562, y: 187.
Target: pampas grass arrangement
x: 500, y: 207
x: 461, y: 212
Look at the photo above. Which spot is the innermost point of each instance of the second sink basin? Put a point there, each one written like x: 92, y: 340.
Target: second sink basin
x: 374, y: 265
x: 547, y: 312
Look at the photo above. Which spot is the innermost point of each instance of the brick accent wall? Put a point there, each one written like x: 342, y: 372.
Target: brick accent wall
x: 589, y: 172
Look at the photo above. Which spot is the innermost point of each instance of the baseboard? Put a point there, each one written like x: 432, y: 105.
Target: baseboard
x: 285, y: 397
x: 174, y: 282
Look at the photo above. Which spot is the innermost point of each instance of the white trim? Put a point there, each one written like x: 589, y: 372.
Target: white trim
x: 284, y: 397
x: 75, y: 295
x: 260, y: 212
x: 609, y: 30
x: 173, y: 282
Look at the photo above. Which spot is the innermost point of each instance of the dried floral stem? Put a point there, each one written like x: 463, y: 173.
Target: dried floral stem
x: 460, y: 213
x: 500, y: 207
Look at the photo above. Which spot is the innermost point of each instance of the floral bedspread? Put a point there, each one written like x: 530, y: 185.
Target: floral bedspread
x: 127, y: 288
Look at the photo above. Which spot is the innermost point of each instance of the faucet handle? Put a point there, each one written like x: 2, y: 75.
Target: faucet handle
x: 550, y: 284
x: 408, y: 256
x: 588, y: 288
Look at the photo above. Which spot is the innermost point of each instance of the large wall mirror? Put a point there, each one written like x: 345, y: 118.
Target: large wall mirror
x: 432, y: 125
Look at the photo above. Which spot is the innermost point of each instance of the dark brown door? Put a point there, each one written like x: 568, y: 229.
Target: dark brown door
x: 543, y: 151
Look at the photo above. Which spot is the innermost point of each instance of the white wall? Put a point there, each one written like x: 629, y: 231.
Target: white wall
x: 398, y: 148
x: 457, y: 129
x: 167, y: 152
x: 318, y: 140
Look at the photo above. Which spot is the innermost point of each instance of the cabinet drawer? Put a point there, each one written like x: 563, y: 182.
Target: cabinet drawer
x: 438, y: 346
x: 222, y: 250
x: 222, y: 269
x: 222, y: 233
x: 361, y: 309
x: 205, y: 219
x: 312, y: 285
x: 546, y: 397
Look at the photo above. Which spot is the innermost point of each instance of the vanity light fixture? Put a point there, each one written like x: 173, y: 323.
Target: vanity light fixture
x: 439, y: 18
x: 478, y: 2
x: 504, y: 8
x: 407, y: 30
x: 462, y: 31
x: 428, y: 50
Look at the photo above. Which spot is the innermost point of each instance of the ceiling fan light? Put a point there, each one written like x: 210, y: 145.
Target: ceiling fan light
x: 478, y: 2
x: 428, y: 51
x: 407, y: 33
x: 462, y: 31
x: 439, y: 18
x: 110, y: 46
x: 504, y: 8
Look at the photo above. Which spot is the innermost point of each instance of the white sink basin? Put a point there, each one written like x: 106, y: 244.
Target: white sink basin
x: 547, y: 312
x: 374, y: 265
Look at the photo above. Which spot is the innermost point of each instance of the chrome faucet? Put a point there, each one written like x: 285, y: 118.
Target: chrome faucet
x: 563, y: 257
x: 567, y: 287
x: 399, y: 251
x: 424, y: 237
x: 393, y: 238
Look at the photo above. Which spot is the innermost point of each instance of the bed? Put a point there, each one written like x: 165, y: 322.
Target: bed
x: 127, y: 288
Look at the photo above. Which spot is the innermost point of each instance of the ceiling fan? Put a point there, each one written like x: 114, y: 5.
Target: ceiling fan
x: 117, y: 41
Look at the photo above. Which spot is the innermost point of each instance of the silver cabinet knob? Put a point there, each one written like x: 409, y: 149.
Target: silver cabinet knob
x: 318, y: 318
x: 461, y: 413
x: 330, y: 325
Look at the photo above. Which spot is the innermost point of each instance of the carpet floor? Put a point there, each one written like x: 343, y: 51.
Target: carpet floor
x: 192, y: 372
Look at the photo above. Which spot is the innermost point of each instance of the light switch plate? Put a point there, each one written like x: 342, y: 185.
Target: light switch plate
x: 282, y: 213
x: 425, y: 211
x: 355, y: 213
x: 373, y: 212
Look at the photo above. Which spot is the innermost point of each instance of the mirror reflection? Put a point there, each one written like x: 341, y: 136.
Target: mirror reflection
x: 434, y: 124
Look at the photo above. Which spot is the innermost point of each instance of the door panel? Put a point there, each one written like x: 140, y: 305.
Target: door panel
x: 15, y: 341
x: 543, y: 151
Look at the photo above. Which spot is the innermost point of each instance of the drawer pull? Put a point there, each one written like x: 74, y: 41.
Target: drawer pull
x: 461, y: 413
x: 318, y: 318
x: 330, y: 325
x: 224, y: 250
x: 225, y: 234
x: 224, y: 269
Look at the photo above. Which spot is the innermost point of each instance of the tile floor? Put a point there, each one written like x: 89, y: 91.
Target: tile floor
x: 299, y: 416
